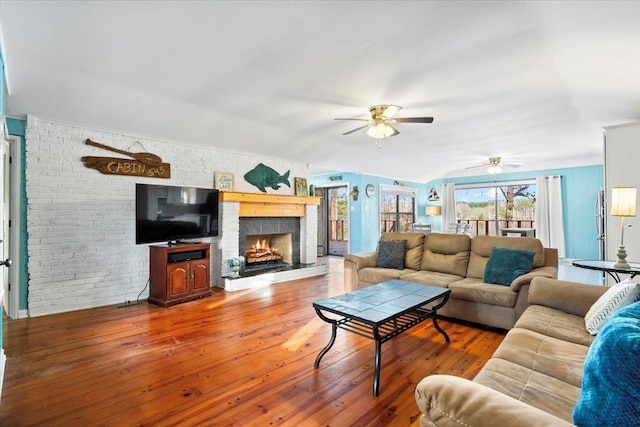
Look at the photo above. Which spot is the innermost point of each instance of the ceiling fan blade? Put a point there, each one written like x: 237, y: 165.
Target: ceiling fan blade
x: 414, y: 120
x: 360, y: 120
x: 395, y: 131
x: 356, y: 129
x: 511, y: 165
x: 478, y: 166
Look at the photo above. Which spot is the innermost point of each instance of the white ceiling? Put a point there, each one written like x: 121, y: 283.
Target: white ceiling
x: 533, y: 82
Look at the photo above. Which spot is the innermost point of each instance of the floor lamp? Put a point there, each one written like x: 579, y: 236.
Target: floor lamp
x: 623, y: 204
x: 432, y: 211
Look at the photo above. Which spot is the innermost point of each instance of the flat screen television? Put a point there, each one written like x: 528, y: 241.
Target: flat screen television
x: 173, y: 214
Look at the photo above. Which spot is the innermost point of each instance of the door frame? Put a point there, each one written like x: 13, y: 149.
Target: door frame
x: 321, y: 233
x: 325, y: 187
x: 13, y: 248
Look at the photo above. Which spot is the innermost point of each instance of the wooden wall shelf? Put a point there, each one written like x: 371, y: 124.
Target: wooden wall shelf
x: 273, y: 205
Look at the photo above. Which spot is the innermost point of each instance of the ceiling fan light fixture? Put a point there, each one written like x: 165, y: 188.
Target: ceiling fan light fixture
x: 493, y: 169
x: 494, y: 165
x: 379, y: 126
x: 380, y: 130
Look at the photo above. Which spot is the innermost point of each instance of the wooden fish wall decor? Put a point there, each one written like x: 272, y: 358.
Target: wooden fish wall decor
x: 263, y: 176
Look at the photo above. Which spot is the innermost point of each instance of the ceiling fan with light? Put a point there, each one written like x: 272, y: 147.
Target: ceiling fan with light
x: 495, y: 165
x: 380, y: 125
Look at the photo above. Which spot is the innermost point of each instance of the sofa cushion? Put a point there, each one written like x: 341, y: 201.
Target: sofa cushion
x: 531, y: 387
x: 481, y: 247
x: 413, y: 253
x: 506, y: 264
x: 391, y: 254
x: 373, y: 275
x: 555, y: 323
x: 431, y: 278
x: 618, y: 296
x: 550, y: 356
x: 570, y: 297
x: 475, y: 290
x: 611, y: 375
x: 446, y: 253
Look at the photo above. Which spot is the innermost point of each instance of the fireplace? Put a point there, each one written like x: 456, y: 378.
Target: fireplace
x: 252, y: 214
x: 267, y: 251
x: 269, y: 242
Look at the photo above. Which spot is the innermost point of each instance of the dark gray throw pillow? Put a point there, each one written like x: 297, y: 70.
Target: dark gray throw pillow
x: 391, y: 254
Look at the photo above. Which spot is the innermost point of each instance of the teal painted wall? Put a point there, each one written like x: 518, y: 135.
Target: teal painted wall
x: 17, y: 127
x: 364, y: 213
x: 580, y: 187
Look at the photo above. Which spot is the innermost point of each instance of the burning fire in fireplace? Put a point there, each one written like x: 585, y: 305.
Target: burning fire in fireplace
x: 262, y: 251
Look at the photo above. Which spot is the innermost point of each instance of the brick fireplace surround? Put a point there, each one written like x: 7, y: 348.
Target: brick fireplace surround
x: 236, y: 205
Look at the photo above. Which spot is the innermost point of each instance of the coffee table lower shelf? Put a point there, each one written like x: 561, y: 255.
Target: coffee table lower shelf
x: 381, y: 332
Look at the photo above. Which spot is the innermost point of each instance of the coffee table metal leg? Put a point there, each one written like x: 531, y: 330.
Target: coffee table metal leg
x: 334, y: 329
x: 376, y: 370
x: 434, y: 317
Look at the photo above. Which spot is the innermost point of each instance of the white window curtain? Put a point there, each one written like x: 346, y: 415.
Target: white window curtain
x: 549, y: 218
x: 448, y: 206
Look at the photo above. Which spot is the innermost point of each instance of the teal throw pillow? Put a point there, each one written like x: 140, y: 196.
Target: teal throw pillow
x: 610, y: 393
x: 506, y: 264
x: 391, y: 254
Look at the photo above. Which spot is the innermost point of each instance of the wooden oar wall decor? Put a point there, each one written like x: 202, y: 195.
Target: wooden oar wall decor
x: 140, y: 164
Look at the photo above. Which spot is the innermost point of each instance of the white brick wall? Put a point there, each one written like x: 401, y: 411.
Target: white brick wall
x: 309, y: 235
x: 227, y: 245
x: 81, y: 226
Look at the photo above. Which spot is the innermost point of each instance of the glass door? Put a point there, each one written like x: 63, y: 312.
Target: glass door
x: 338, y: 220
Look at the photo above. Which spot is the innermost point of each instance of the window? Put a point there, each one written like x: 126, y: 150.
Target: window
x: 491, y: 207
x: 397, y: 208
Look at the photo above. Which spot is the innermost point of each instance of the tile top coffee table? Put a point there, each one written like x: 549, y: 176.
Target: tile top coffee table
x: 381, y: 312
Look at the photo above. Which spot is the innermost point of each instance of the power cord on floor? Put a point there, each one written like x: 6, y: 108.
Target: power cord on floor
x: 145, y: 287
x: 129, y: 303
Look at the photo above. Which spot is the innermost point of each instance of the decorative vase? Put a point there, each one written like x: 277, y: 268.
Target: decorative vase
x: 235, y: 265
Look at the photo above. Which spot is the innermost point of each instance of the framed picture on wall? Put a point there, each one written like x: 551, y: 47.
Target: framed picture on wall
x: 300, y: 185
x: 223, y: 181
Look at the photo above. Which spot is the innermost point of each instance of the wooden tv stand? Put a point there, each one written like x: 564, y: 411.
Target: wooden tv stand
x: 179, y: 273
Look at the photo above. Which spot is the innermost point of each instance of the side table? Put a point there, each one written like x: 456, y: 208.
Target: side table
x: 607, y: 267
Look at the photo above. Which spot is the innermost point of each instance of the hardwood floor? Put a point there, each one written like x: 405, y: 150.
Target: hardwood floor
x: 233, y: 359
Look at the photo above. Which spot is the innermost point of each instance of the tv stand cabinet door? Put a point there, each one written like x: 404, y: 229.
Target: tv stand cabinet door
x: 200, y: 274
x: 178, y: 276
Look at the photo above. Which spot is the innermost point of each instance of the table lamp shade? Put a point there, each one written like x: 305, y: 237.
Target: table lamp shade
x: 432, y: 210
x: 623, y: 201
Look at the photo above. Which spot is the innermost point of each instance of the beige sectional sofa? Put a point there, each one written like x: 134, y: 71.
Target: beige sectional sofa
x: 458, y: 261
x: 535, y: 375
